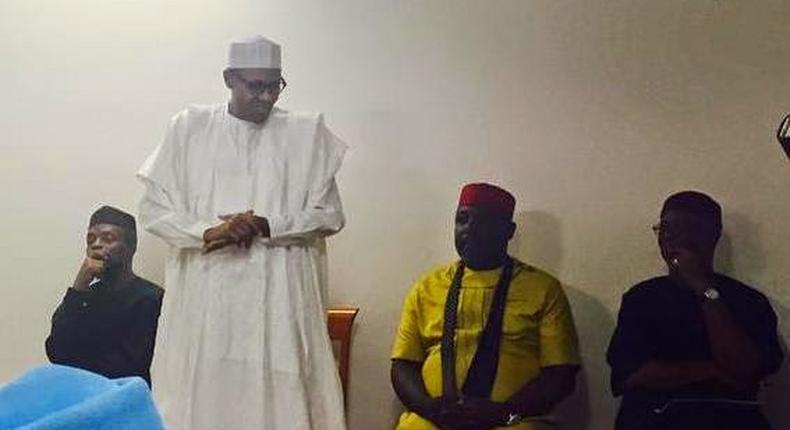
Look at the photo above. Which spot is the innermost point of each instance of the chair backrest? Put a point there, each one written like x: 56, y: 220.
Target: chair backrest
x: 341, y: 321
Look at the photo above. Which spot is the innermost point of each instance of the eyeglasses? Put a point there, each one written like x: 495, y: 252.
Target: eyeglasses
x: 674, y: 230
x: 262, y: 87
x: 670, y: 230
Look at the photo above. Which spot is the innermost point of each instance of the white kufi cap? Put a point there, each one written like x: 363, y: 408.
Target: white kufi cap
x: 256, y: 52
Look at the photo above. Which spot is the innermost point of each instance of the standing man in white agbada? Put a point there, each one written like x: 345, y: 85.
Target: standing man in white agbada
x: 245, y: 193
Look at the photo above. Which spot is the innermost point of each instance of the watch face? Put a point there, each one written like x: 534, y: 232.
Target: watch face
x: 712, y: 294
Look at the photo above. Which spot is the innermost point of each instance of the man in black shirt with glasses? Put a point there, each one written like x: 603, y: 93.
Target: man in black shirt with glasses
x: 690, y: 349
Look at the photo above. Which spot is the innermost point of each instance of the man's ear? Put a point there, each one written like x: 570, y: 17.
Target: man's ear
x: 129, y: 244
x: 511, y: 230
x: 227, y: 75
x: 715, y: 239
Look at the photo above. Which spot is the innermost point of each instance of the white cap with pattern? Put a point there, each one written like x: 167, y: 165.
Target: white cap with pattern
x: 256, y: 52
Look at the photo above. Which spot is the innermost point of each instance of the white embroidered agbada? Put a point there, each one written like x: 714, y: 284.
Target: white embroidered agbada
x: 242, y: 340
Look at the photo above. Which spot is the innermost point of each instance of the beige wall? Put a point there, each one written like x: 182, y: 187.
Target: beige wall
x: 590, y: 111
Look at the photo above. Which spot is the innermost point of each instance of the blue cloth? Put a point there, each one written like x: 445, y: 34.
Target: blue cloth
x: 65, y: 398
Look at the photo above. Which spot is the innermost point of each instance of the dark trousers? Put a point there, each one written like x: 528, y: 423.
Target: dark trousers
x: 693, y: 417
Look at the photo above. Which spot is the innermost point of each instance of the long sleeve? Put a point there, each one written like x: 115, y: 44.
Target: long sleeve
x: 158, y: 215
x: 110, y: 335
x: 136, y: 350
x: 163, y: 209
x: 323, y: 212
x: 76, y: 332
x: 187, y: 164
x: 82, y: 336
x: 323, y: 217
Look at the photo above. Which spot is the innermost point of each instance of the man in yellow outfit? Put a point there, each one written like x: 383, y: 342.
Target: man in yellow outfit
x: 487, y: 342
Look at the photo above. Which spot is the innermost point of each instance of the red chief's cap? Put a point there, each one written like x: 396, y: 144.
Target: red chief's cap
x: 489, y: 197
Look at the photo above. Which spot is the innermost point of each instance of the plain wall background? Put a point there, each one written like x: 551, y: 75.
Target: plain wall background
x: 590, y: 111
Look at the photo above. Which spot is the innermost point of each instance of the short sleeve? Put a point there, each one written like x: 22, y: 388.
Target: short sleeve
x: 408, y: 342
x: 559, y: 344
x: 762, y: 329
x: 630, y: 347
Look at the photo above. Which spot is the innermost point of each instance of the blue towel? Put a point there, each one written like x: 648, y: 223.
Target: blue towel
x: 58, y: 397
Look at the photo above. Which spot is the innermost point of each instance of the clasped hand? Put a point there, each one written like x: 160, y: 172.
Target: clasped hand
x: 471, y: 413
x: 239, y: 229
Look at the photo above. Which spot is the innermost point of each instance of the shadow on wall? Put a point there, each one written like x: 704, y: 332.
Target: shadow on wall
x: 750, y: 252
x: 396, y: 409
x: 742, y: 233
x: 538, y: 241
x: 151, y: 257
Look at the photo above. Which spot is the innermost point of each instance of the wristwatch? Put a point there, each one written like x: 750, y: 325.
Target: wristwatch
x: 711, y: 294
x: 513, y: 419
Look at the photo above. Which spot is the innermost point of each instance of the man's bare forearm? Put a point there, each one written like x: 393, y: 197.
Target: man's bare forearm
x: 656, y: 375
x: 733, y: 351
x: 541, y: 394
x: 407, y: 381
